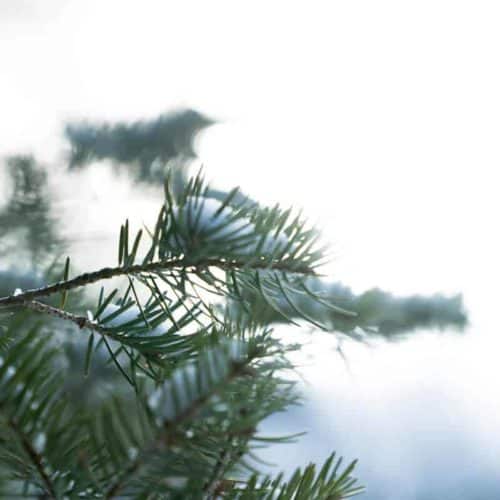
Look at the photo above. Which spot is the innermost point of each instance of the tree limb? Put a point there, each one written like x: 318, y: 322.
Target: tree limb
x: 34, y: 457
x: 151, y: 267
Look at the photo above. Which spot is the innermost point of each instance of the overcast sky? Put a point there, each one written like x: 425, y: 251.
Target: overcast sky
x: 380, y: 118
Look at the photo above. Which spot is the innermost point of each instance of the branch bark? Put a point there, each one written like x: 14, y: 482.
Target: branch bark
x: 151, y: 267
x: 34, y: 457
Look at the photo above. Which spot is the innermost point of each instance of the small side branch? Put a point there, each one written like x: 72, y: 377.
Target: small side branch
x: 120, y: 483
x: 210, y: 488
x: 34, y: 456
x: 80, y: 321
x: 165, y: 436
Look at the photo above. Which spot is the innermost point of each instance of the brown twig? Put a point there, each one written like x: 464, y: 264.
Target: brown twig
x: 151, y: 267
x: 80, y: 321
x: 34, y: 457
x: 117, y: 486
x: 238, y: 369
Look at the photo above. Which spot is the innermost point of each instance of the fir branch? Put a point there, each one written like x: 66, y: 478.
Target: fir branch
x: 80, y: 321
x: 153, y: 267
x: 221, y: 465
x: 236, y: 370
x: 216, y: 484
x: 166, y: 435
x: 120, y: 483
x: 34, y: 456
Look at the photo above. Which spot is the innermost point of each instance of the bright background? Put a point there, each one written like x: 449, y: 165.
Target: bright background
x: 380, y: 118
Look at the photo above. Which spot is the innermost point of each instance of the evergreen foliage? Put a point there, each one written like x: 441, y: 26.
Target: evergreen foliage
x: 378, y: 313
x: 200, y: 381
x: 156, y: 390
x: 145, y: 145
x: 27, y: 214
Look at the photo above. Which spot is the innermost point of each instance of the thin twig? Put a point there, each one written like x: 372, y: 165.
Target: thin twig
x: 240, y: 369
x: 80, y: 321
x: 222, y: 462
x: 34, y: 457
x: 117, y: 486
x: 216, y: 485
x: 212, y: 484
x: 151, y: 267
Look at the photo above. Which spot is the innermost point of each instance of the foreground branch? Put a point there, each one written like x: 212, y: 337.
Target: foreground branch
x: 34, y: 456
x: 168, y: 429
x: 80, y: 321
x: 151, y: 267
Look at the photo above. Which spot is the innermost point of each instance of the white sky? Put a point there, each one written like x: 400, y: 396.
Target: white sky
x: 380, y: 118
x: 383, y: 117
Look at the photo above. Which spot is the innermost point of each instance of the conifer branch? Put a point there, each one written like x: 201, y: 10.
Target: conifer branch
x: 80, y: 321
x: 216, y: 483
x: 34, y: 457
x: 212, y: 484
x: 118, y: 485
x: 237, y: 369
x: 152, y: 267
x: 165, y: 436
